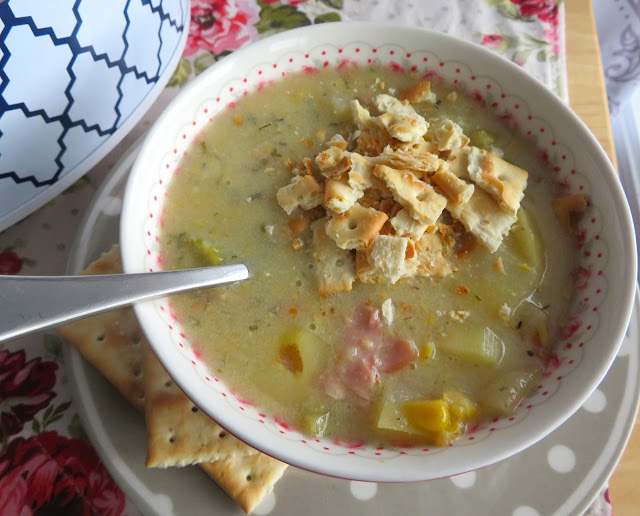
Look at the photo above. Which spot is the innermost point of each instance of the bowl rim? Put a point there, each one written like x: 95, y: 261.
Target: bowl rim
x: 338, y: 467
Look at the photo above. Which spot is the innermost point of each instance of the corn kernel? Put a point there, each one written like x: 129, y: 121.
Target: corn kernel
x: 428, y: 415
x: 237, y: 119
x: 454, y: 426
x: 459, y: 405
x: 427, y: 351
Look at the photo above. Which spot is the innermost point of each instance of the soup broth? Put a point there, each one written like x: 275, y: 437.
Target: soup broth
x: 445, y: 351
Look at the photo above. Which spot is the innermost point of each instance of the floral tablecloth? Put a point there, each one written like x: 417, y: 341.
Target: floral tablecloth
x: 46, y: 463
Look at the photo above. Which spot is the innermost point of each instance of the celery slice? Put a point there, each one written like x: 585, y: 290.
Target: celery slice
x: 482, y: 139
x: 204, y: 251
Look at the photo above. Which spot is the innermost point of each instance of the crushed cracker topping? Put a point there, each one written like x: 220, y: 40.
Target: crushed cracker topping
x: 405, y: 200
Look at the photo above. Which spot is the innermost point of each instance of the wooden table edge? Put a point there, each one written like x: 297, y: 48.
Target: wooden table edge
x: 584, y: 67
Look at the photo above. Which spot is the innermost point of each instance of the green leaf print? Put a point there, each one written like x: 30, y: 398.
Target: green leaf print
x: 203, y: 61
x: 521, y: 56
x: 29, y: 262
x: 510, y: 41
x: 53, y: 347
x: 281, y: 17
x: 18, y: 243
x: 76, y: 430
x: 536, y: 41
x: 54, y: 414
x: 508, y: 10
x: 327, y: 17
x: 181, y: 74
x: 541, y: 56
x: 336, y: 4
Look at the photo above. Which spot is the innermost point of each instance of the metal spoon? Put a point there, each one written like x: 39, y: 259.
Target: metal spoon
x: 31, y: 303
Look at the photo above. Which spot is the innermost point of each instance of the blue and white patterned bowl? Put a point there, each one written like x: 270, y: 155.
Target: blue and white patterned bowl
x: 75, y: 77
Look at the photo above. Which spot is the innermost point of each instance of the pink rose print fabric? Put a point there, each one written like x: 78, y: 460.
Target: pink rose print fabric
x: 221, y: 25
x: 545, y: 10
x: 53, y: 474
x: 10, y: 262
x: 25, y: 389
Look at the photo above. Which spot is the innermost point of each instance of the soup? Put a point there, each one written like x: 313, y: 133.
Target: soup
x: 408, y: 271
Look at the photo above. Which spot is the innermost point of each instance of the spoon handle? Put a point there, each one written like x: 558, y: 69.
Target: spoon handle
x: 31, y: 303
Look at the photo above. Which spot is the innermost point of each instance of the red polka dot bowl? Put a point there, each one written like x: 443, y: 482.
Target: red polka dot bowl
x: 605, y: 278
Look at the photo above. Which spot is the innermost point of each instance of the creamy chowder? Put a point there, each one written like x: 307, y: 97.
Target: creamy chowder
x: 408, y: 272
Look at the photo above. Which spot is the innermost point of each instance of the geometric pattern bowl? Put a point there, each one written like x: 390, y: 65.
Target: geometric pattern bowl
x: 75, y: 77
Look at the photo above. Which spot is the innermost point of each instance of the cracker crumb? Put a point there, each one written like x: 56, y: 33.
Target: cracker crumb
x: 297, y: 226
x: 568, y: 207
x: 308, y: 166
x: 297, y: 243
x: 420, y: 92
x: 504, y: 312
x: 462, y: 289
x: 458, y: 315
x: 499, y: 266
x: 387, y: 311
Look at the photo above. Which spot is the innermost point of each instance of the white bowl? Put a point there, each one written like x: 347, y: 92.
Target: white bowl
x: 600, y: 313
x: 76, y: 79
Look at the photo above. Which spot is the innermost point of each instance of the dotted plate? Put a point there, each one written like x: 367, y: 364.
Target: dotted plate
x: 559, y: 475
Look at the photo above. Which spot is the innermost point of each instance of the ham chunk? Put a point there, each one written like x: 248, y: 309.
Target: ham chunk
x: 396, y: 354
x: 366, y: 352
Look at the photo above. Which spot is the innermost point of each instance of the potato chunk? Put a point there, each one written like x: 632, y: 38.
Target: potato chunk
x: 299, y: 353
x: 479, y: 346
x: 503, y: 394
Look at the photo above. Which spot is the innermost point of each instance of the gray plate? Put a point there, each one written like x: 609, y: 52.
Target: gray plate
x: 562, y: 474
